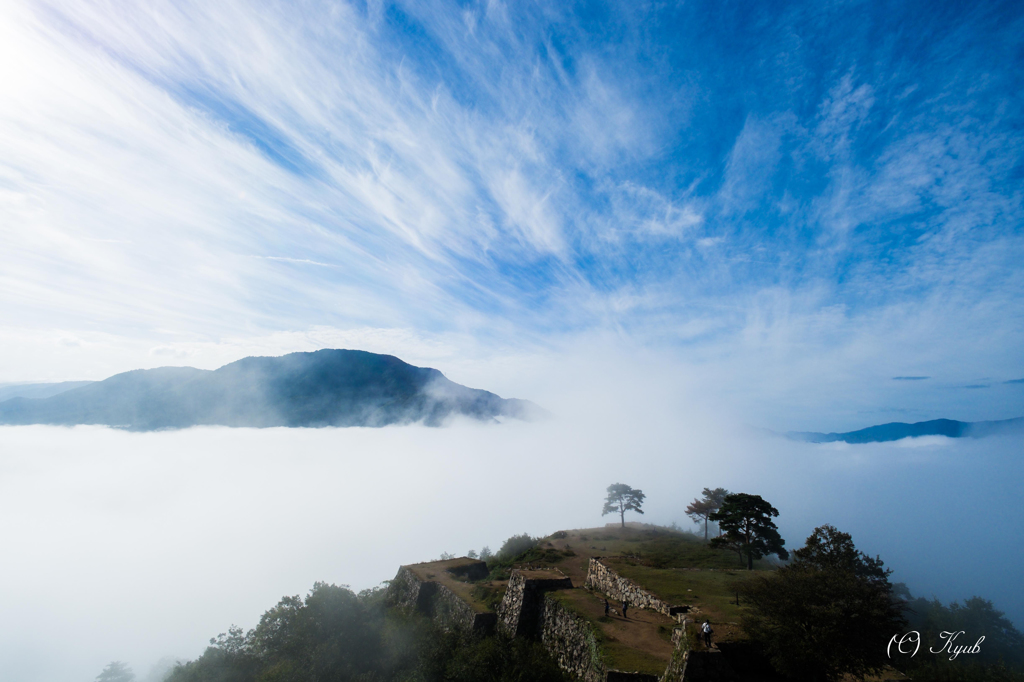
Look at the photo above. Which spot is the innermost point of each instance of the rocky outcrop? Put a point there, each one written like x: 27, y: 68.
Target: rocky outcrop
x: 603, y: 579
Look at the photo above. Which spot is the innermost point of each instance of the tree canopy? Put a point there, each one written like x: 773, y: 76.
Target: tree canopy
x: 703, y: 507
x: 116, y: 671
x: 828, y: 614
x: 1001, y: 656
x: 621, y: 498
x: 746, y: 520
x: 334, y: 635
x: 516, y: 545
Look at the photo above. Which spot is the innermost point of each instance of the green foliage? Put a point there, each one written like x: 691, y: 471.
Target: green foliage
x: 459, y: 656
x: 488, y: 595
x: 683, y: 551
x: 828, y: 614
x: 701, y: 509
x: 116, y: 671
x: 621, y: 498
x: 516, y: 545
x: 501, y: 567
x: 830, y: 549
x: 334, y: 635
x: 746, y: 524
x: 1002, y: 653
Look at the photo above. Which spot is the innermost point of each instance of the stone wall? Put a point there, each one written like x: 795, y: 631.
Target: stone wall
x: 573, y: 644
x: 437, y: 602
x: 571, y: 641
x: 519, y: 614
x: 510, y: 611
x: 603, y: 579
x: 683, y: 638
x: 404, y: 591
x: 529, y: 610
x: 695, y: 665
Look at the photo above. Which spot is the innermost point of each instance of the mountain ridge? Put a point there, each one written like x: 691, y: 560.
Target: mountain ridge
x: 884, y: 433
x: 38, y: 390
x: 329, y: 387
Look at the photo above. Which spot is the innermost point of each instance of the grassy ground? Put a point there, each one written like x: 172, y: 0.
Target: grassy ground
x: 678, y: 567
x: 483, y: 596
x: 640, y: 643
x: 710, y: 591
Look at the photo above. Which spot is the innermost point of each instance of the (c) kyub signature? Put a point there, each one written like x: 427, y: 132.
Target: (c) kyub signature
x: 913, y: 639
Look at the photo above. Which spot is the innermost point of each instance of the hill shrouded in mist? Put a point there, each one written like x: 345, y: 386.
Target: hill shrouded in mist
x: 323, y: 388
x: 39, y: 390
x: 898, y: 430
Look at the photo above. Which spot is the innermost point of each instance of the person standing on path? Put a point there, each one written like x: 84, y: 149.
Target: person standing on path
x: 607, y: 608
x: 625, y: 605
x: 706, y: 632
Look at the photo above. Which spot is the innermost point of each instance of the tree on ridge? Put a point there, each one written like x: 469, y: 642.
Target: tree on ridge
x: 747, y: 520
x: 621, y: 498
x: 702, y: 508
x: 826, y: 615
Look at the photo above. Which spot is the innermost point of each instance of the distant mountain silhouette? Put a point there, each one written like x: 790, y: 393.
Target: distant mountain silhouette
x: 898, y: 430
x: 324, y: 388
x: 38, y: 390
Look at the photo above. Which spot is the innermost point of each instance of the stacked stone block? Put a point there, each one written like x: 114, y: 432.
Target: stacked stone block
x: 605, y: 580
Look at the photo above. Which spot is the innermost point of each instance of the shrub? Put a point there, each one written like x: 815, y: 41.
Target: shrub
x: 516, y: 545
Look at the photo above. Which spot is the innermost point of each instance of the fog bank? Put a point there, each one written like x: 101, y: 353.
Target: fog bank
x: 136, y: 546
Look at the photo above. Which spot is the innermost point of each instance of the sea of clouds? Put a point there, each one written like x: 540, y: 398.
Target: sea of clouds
x: 142, y: 546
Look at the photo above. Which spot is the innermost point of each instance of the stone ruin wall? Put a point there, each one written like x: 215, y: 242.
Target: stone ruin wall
x: 687, y: 664
x: 528, y: 611
x: 571, y: 642
x: 436, y: 601
x: 452, y: 612
x: 603, y: 579
x: 510, y: 611
x: 404, y: 591
x: 695, y: 665
x: 519, y: 614
x: 680, y: 653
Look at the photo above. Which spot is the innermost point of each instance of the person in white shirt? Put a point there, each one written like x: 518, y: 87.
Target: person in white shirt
x: 706, y: 632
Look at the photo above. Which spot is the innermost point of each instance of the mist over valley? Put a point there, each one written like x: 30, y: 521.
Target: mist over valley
x: 136, y: 546
x: 295, y: 294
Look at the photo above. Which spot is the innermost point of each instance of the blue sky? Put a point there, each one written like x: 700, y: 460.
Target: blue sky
x: 797, y: 203
x: 662, y: 221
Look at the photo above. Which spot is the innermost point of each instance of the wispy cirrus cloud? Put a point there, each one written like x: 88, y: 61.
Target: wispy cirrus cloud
x: 522, y: 175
